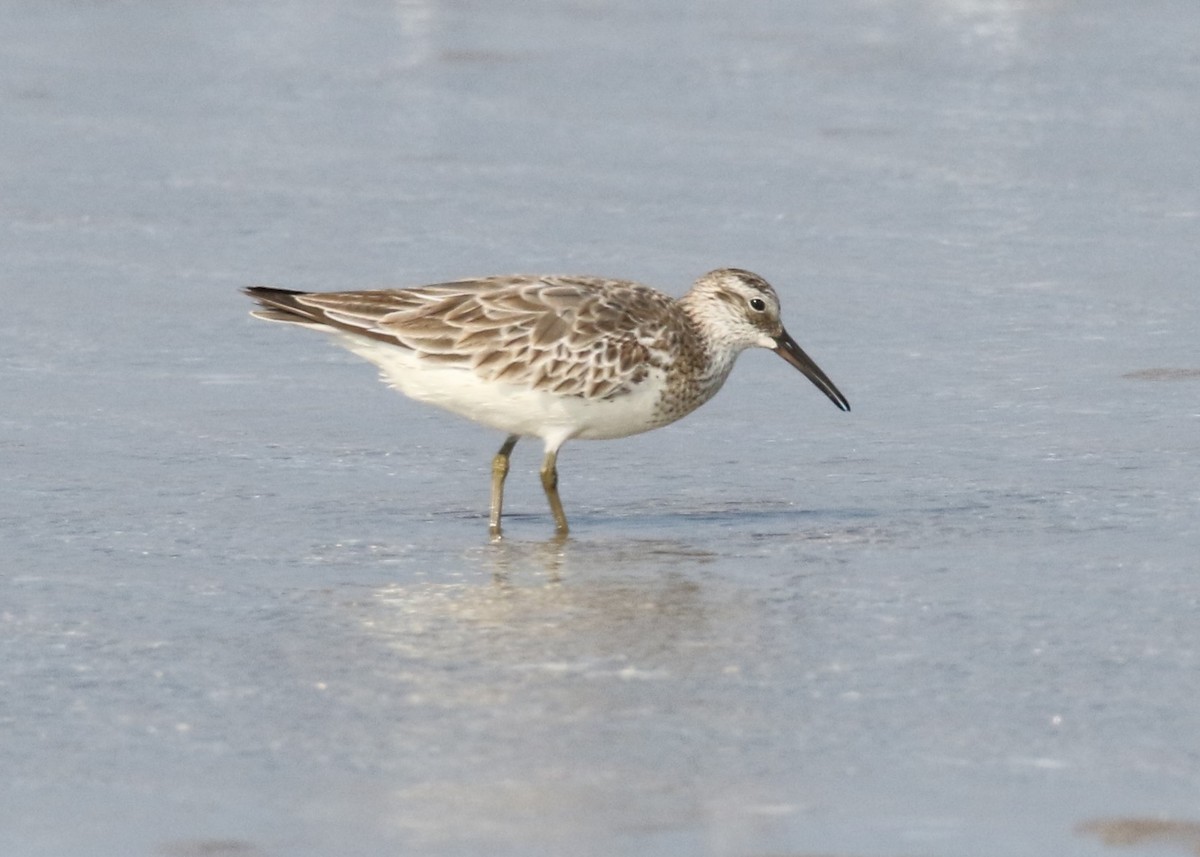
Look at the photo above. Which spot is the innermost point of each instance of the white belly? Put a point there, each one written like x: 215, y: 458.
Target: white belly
x: 509, y: 408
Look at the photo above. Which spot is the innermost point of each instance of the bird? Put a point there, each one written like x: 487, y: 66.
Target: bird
x: 555, y: 357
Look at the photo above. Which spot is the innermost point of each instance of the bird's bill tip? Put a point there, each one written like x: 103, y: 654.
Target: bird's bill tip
x: 787, y: 348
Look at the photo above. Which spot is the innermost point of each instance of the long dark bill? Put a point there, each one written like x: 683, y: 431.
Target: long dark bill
x: 787, y: 348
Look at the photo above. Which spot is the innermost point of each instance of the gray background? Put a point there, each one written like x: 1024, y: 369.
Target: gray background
x: 247, y: 602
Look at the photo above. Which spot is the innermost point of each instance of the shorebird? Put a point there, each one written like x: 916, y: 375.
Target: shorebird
x: 554, y: 357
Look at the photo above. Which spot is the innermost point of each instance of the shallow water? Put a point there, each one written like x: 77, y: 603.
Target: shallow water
x: 249, y: 605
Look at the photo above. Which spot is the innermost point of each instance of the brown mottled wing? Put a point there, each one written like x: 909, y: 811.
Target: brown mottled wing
x: 574, y: 336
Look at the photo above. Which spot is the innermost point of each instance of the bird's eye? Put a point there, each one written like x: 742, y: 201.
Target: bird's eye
x: 758, y: 304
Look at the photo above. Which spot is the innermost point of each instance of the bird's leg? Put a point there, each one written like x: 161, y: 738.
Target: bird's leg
x: 550, y: 484
x: 499, y: 471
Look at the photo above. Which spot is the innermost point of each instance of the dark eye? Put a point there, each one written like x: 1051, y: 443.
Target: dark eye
x: 758, y: 304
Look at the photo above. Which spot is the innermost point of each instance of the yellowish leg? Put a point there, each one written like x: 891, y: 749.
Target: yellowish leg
x: 550, y: 484
x: 499, y: 471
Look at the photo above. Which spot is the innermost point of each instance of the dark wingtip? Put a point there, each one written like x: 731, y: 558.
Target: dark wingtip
x: 273, y: 298
x: 266, y: 292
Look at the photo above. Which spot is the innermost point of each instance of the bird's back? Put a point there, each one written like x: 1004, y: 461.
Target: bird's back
x: 568, y: 335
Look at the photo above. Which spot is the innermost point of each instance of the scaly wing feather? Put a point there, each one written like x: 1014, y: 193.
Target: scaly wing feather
x: 573, y: 336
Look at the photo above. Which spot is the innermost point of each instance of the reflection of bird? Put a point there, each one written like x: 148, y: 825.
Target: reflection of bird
x: 556, y: 357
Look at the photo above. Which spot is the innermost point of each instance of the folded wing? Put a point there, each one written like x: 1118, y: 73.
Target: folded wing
x: 573, y: 336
